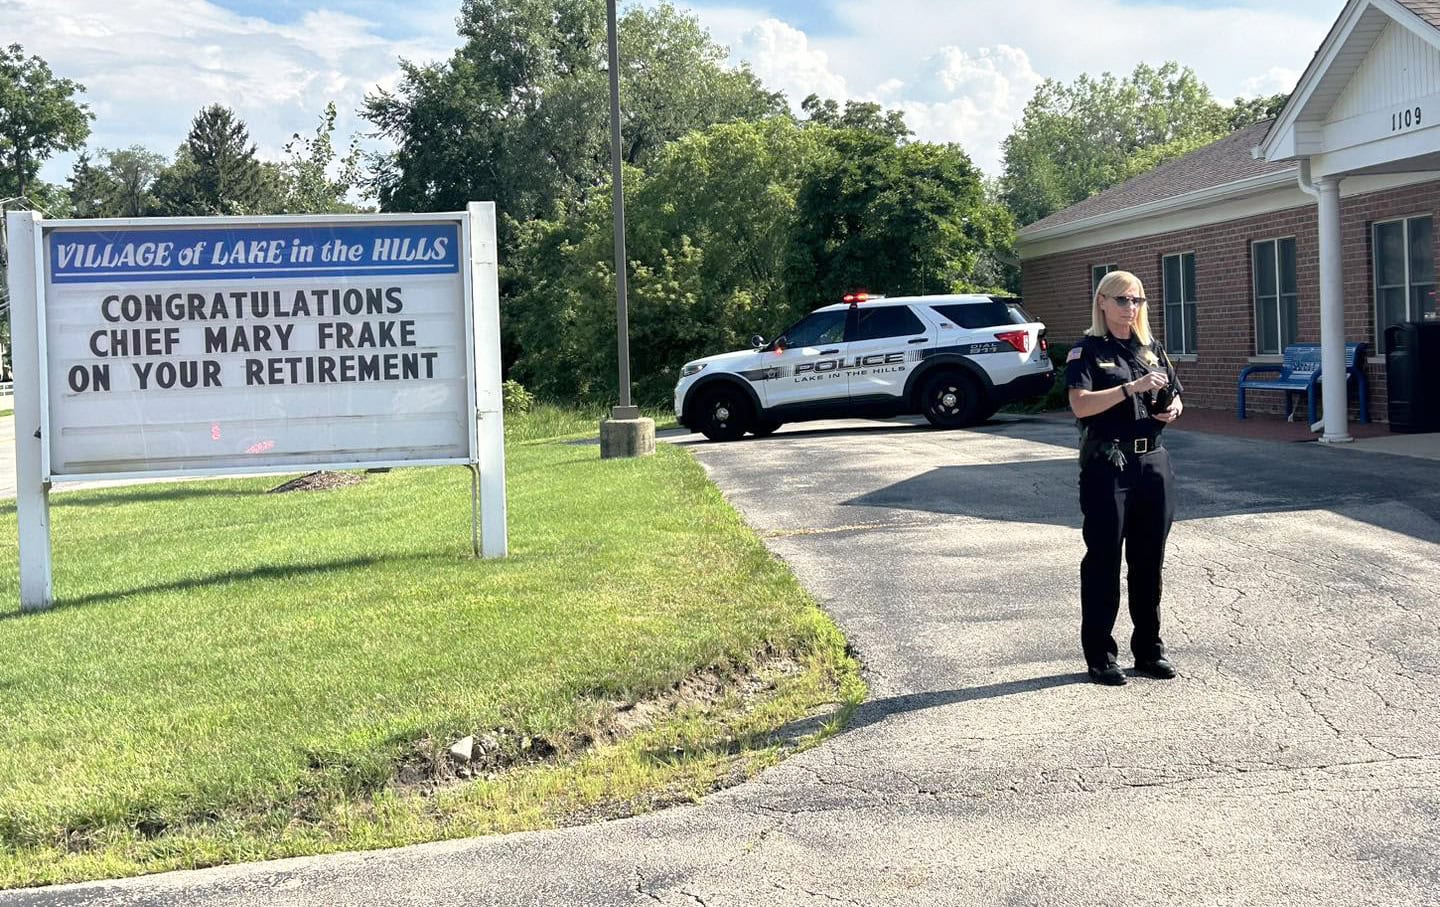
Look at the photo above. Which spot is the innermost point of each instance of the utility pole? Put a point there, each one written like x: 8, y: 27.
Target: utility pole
x: 625, y: 433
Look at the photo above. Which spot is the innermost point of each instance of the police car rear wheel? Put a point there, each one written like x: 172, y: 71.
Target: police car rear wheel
x: 724, y: 415
x: 951, y: 400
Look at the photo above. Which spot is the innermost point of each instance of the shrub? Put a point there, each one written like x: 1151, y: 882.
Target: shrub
x: 517, y: 399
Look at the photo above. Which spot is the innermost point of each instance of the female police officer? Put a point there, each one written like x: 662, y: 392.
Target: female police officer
x: 1123, y: 391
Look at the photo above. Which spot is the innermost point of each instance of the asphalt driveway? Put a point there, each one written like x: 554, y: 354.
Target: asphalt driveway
x: 1296, y: 760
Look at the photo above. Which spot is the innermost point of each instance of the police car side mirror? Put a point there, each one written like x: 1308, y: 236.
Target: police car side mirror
x: 757, y: 341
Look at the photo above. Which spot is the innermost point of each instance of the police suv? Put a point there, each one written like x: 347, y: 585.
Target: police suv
x: 956, y: 359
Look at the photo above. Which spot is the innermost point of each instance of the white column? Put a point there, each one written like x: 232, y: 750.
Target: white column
x: 32, y: 493
x: 1332, y: 315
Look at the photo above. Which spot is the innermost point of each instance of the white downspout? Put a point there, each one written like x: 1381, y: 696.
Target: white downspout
x: 1306, y: 185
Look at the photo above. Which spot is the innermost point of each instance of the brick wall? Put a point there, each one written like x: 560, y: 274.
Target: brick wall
x: 1056, y: 288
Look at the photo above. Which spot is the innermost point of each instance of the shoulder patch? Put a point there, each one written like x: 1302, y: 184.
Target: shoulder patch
x: 1074, y: 353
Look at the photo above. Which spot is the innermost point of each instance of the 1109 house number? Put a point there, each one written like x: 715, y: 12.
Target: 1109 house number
x: 1408, y: 118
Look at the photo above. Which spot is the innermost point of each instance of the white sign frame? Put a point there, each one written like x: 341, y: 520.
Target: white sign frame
x: 483, y: 413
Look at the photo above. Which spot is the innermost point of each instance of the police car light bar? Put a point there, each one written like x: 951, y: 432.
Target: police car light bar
x: 853, y: 298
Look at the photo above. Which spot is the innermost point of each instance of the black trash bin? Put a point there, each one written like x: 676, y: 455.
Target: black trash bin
x: 1412, y: 375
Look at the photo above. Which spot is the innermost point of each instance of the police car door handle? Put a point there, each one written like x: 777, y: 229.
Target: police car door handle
x: 828, y: 352
x: 920, y: 340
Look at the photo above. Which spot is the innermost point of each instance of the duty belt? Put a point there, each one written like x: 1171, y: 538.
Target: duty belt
x: 1116, y: 450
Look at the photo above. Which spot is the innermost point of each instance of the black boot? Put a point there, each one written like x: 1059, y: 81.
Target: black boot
x: 1110, y: 675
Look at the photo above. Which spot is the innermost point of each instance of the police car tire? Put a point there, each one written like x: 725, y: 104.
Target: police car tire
x: 765, y: 428
x: 726, y: 402
x: 951, y: 399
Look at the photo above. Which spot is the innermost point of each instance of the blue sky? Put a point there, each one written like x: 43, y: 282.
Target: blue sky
x: 961, y: 70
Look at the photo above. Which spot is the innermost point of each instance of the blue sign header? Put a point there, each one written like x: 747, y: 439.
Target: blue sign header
x: 210, y: 253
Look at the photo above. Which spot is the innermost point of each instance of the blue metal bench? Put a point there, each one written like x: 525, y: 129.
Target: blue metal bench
x: 1301, y: 372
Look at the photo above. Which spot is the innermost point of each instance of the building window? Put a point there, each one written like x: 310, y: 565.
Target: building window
x: 1097, y: 273
x: 1404, y: 273
x: 1179, y: 291
x: 1276, y: 296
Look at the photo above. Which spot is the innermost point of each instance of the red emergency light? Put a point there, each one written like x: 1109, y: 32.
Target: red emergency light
x: 853, y: 298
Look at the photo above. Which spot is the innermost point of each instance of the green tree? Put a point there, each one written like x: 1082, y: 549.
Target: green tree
x: 1077, y: 139
x: 38, y: 117
x: 708, y: 225
x: 1244, y: 112
x: 215, y: 171
x: 306, y: 185
x: 863, y: 115
x: 519, y: 114
x: 899, y: 219
x: 91, y: 189
x: 133, y: 172
x: 1249, y: 111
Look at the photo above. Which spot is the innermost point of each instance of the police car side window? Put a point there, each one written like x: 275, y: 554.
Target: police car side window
x: 982, y: 314
x: 887, y: 321
x: 821, y: 327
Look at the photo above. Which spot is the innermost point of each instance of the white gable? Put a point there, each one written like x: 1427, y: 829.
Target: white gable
x: 1370, y: 100
x: 1400, y: 67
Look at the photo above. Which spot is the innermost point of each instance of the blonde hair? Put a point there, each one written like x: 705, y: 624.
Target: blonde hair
x: 1111, y: 285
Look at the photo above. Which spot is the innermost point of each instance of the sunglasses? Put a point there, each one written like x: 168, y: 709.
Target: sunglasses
x: 1135, y: 301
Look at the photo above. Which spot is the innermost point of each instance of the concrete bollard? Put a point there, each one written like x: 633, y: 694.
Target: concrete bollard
x: 627, y: 438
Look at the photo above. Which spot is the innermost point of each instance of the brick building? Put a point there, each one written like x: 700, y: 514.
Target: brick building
x: 1318, y: 226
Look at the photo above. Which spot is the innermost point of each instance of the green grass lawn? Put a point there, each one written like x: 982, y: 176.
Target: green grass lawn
x: 233, y: 675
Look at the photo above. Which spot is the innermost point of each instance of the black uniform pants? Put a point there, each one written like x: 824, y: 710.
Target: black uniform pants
x: 1133, y: 507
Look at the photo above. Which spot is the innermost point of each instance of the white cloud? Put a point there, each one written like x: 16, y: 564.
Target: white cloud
x: 148, y: 66
x: 970, y: 99
x: 950, y: 96
x: 979, y: 61
x: 1273, y: 81
x: 783, y: 59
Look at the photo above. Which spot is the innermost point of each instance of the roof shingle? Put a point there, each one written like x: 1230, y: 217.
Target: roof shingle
x: 1429, y: 10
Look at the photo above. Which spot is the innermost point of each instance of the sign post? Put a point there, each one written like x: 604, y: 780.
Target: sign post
x: 490, y: 399
x: 32, y: 491
x: 207, y: 346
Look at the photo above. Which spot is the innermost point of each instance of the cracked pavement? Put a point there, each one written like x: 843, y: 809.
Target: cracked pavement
x: 1295, y: 760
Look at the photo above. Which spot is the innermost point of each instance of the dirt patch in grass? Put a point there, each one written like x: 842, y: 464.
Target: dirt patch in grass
x: 319, y: 481
x: 430, y: 766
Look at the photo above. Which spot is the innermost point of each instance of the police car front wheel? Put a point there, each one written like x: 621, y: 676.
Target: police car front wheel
x: 951, y: 400
x: 724, y: 415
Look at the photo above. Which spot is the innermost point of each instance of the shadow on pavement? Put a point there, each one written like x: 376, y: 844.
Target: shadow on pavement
x: 801, y: 430
x: 1215, y: 476
x: 876, y: 710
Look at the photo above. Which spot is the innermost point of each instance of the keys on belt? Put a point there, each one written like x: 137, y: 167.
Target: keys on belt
x: 1117, y: 451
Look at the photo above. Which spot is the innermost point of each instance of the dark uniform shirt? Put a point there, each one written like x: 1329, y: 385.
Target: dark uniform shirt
x: 1100, y: 363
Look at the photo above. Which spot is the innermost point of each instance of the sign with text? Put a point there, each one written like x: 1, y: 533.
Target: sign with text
x: 211, y: 346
